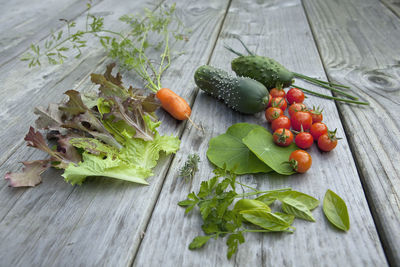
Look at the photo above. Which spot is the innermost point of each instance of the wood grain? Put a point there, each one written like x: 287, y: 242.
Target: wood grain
x: 101, y: 222
x: 27, y: 22
x: 277, y: 29
x: 393, y: 5
x: 359, y: 46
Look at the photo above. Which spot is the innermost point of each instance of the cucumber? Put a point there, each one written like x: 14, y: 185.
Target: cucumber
x: 242, y: 94
x: 263, y: 69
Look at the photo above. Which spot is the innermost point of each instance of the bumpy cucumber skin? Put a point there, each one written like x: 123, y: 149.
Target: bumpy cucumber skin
x: 263, y: 69
x: 239, y: 93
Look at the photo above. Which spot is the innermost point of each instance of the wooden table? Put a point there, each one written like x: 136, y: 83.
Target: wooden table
x: 114, y: 223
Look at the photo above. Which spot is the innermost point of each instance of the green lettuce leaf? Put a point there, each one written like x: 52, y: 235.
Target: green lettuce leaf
x: 133, y: 162
x: 146, y: 153
x: 93, y: 165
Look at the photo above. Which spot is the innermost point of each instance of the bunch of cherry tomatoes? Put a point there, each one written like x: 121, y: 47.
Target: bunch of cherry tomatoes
x: 306, y: 123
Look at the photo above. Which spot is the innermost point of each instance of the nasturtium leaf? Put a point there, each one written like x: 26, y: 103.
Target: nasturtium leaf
x: 228, y: 149
x: 261, y: 143
x: 335, y: 210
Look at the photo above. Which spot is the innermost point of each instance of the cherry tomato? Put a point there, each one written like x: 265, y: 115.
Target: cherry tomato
x: 279, y: 102
x: 328, y: 141
x: 318, y: 129
x: 301, y: 119
x: 281, y: 122
x: 316, y: 114
x: 300, y: 160
x: 277, y: 92
x: 295, y: 95
x: 283, y: 137
x: 273, y: 113
x: 293, y: 108
x: 269, y: 100
x: 304, y: 140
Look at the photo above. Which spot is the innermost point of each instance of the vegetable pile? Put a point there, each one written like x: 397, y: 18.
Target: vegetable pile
x: 113, y: 134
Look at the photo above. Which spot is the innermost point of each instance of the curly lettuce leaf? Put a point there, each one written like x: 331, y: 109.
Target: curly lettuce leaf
x: 146, y: 153
x: 93, y: 165
x: 133, y: 162
x: 30, y: 175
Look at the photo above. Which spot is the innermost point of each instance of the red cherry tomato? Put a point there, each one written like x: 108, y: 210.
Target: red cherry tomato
x: 295, y: 95
x: 281, y: 122
x: 301, y: 120
x: 300, y: 160
x: 293, y: 108
x: 318, y: 129
x: 273, y: 113
x: 269, y: 100
x: 283, y: 137
x: 316, y: 114
x: 277, y: 92
x: 328, y: 141
x: 304, y: 140
x: 279, y: 102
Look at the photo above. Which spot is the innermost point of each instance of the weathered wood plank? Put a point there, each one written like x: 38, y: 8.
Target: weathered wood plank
x: 36, y: 86
x: 359, y: 45
x: 100, y: 223
x: 280, y: 30
x: 25, y: 22
x: 393, y: 5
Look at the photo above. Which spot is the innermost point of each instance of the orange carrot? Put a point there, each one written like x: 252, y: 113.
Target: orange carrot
x: 174, y: 104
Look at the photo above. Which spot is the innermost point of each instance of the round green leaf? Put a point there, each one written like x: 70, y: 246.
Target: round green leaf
x: 261, y: 143
x: 227, y: 150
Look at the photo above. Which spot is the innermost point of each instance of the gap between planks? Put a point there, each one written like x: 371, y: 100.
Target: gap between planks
x: 183, y: 131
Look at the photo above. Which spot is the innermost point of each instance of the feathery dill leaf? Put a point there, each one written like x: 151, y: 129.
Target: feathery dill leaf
x: 190, y: 168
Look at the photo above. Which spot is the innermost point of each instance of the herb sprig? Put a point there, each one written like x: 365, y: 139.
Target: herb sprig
x: 190, y: 168
x: 217, y: 196
x: 130, y: 48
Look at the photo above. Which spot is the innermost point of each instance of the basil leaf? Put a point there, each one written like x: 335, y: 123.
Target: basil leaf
x: 335, y: 210
x: 261, y: 143
x: 297, y: 209
x: 199, y: 241
x: 307, y: 200
x: 248, y: 204
x: 267, y: 220
x: 268, y: 198
x: 228, y: 149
